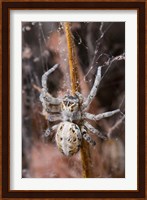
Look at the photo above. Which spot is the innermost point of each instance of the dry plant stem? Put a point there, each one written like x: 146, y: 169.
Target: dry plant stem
x: 75, y: 87
x: 72, y: 59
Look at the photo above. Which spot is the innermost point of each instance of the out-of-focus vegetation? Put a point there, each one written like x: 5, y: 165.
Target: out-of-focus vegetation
x: 97, y: 44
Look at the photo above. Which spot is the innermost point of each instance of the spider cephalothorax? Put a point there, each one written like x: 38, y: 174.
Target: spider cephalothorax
x: 69, y: 111
x: 70, y: 108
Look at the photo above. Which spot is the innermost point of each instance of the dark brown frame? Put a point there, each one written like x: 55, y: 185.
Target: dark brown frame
x: 6, y: 7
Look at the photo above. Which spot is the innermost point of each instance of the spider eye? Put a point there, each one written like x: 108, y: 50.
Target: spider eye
x: 61, y: 138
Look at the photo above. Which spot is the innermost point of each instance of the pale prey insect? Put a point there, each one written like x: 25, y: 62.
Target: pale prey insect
x: 70, y: 113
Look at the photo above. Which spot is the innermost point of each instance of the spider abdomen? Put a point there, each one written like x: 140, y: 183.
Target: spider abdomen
x: 68, y: 138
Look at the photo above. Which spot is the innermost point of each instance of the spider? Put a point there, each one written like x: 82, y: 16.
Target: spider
x: 71, y: 114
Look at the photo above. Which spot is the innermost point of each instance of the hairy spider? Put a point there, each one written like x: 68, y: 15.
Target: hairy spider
x: 71, y: 112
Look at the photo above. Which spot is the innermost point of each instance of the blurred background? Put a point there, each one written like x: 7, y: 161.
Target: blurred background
x: 97, y: 44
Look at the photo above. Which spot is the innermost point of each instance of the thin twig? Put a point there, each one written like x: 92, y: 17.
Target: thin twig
x: 75, y: 87
x: 37, y: 88
x: 72, y: 59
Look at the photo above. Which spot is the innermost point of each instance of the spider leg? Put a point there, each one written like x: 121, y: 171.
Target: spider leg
x: 45, y: 96
x: 80, y: 96
x: 49, y: 108
x: 46, y: 74
x: 50, y: 130
x: 101, y: 115
x: 94, y: 89
x: 95, y: 131
x: 54, y: 117
x: 48, y: 98
x: 87, y: 137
